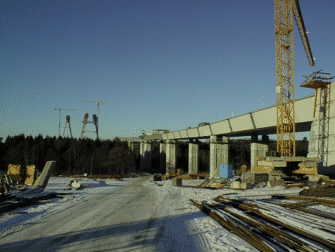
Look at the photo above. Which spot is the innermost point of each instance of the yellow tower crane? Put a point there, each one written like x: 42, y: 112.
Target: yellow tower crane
x: 283, y: 15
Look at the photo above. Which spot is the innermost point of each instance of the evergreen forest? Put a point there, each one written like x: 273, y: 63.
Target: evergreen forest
x: 73, y: 156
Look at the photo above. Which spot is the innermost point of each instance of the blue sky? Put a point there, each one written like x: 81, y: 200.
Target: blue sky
x: 159, y: 64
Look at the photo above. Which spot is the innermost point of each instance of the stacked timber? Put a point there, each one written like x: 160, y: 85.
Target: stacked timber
x: 275, y: 225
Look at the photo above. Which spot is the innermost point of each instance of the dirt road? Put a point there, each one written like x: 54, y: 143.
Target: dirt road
x: 130, y: 218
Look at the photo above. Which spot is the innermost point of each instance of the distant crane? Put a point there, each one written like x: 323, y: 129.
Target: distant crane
x: 95, y: 121
x: 60, y: 112
x: 67, y: 122
x: 283, y: 17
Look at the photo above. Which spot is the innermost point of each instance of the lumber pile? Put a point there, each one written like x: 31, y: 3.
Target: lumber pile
x: 170, y: 175
x: 275, y: 224
x: 24, y: 197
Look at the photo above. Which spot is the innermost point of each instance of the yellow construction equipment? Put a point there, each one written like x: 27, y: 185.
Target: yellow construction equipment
x: 283, y: 15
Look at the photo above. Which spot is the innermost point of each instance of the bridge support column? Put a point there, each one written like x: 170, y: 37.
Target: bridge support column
x: 146, y: 158
x: 193, y: 157
x: 171, y: 157
x: 322, y: 134
x: 162, y: 156
x: 130, y: 145
x: 219, y: 154
x: 257, y: 150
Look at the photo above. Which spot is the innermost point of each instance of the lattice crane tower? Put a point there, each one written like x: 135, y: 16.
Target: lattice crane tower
x: 283, y: 15
x: 60, y: 112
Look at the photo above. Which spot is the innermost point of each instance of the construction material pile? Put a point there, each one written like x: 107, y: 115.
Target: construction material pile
x: 276, y: 222
x: 24, y: 197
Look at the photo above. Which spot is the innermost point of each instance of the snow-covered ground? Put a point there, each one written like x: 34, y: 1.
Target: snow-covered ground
x: 173, y: 201
x: 215, y: 237
x: 14, y: 218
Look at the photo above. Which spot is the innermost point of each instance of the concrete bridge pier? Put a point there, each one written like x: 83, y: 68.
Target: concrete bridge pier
x: 322, y: 134
x: 193, y: 157
x: 145, y: 153
x: 257, y: 150
x: 162, y: 156
x: 171, y: 155
x: 130, y: 145
x: 219, y: 154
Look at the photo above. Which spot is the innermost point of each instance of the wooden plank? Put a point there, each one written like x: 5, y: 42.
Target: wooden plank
x: 236, y: 229
x: 312, y: 233
x: 271, y: 231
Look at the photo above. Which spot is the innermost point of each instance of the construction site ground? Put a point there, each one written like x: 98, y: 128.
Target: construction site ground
x: 136, y: 214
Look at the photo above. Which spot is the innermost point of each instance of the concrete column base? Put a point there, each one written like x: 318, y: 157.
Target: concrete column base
x: 219, y: 154
x: 257, y: 150
x: 171, y: 156
x: 146, y: 158
x: 162, y: 156
x: 193, y: 158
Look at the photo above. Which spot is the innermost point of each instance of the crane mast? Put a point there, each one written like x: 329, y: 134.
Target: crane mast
x: 284, y: 47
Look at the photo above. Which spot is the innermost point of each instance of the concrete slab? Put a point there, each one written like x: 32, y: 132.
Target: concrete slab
x: 183, y: 134
x: 265, y: 118
x: 254, y: 178
x: 43, y: 179
x: 315, y: 178
x: 176, y: 134
x: 177, y: 182
x: 193, y: 133
x: 221, y: 127
x: 241, y: 123
x: 273, y: 183
x: 170, y: 136
x: 205, y: 131
x: 235, y: 185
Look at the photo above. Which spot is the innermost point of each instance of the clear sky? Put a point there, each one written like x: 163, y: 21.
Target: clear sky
x: 159, y: 64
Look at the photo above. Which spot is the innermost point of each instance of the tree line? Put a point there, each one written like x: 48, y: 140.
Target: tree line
x: 73, y: 156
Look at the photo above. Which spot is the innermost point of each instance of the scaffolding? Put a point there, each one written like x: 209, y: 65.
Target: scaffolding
x: 321, y: 84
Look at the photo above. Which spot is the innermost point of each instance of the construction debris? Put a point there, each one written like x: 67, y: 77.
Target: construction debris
x: 177, y: 182
x: 315, y: 178
x: 24, y: 197
x: 215, y: 183
x: 43, y: 179
x: 240, y: 185
x: 254, y: 178
x: 274, y: 183
x: 75, y: 184
x: 15, y: 195
x: 275, y: 224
